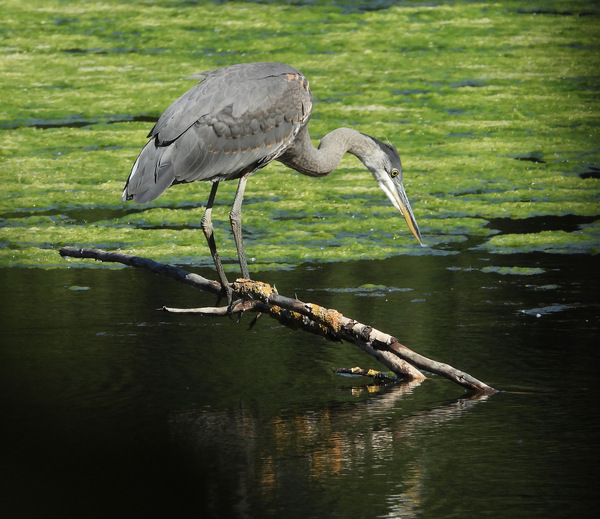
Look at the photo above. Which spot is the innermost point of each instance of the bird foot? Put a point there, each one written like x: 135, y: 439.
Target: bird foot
x: 230, y: 310
x: 228, y: 293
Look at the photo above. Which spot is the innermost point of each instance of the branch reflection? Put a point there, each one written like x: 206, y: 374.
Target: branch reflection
x: 269, y: 461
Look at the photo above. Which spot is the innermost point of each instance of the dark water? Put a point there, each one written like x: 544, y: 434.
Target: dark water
x: 111, y: 408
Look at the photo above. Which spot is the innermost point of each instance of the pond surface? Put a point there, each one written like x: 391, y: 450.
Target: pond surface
x: 112, y: 408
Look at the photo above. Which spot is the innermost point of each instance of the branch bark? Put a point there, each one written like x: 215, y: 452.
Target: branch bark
x: 256, y: 296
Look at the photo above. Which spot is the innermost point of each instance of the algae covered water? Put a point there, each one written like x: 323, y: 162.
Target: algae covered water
x: 112, y: 408
x: 492, y: 106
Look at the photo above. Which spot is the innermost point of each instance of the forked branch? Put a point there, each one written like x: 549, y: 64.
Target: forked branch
x: 256, y: 296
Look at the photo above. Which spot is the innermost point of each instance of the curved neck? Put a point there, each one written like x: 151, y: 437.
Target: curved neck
x: 305, y: 158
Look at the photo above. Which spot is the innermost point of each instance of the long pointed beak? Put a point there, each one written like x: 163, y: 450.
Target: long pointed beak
x: 394, y: 189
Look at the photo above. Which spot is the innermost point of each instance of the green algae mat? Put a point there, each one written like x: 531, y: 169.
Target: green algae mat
x: 493, y: 107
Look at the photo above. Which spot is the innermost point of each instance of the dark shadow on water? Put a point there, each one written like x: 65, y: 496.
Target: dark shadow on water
x: 112, y: 407
x: 535, y: 224
x: 116, y: 50
x: 591, y: 172
x: 534, y: 157
x: 78, y: 215
x: 75, y: 121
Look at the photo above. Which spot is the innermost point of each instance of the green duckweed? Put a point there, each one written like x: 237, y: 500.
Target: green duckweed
x: 493, y: 107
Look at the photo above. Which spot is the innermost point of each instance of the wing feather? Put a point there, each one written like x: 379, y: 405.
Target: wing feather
x: 234, y: 122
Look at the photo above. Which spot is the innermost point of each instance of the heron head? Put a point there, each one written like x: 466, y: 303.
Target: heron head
x: 386, y: 167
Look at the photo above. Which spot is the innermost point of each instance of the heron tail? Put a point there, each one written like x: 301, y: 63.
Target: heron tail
x: 151, y: 175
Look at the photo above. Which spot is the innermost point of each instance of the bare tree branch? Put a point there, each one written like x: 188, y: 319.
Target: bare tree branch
x: 260, y: 297
x: 145, y: 263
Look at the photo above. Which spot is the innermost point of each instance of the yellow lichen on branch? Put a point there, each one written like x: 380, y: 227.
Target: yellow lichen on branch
x: 254, y: 289
x: 328, y: 317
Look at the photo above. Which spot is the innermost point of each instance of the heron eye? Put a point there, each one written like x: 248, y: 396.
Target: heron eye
x: 394, y: 173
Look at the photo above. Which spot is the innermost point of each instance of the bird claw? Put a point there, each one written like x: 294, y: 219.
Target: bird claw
x: 230, y: 302
x: 226, y: 291
x: 230, y: 310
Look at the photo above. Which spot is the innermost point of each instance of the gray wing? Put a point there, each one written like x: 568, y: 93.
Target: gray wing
x: 234, y: 122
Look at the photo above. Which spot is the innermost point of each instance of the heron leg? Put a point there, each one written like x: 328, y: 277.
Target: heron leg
x: 235, y: 218
x: 207, y: 228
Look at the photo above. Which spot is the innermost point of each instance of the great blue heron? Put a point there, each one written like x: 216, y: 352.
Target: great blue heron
x: 236, y: 121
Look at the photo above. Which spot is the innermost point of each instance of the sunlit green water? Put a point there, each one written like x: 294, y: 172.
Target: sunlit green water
x: 493, y: 106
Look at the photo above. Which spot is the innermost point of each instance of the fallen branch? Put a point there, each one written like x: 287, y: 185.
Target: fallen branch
x: 153, y: 266
x: 262, y: 298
